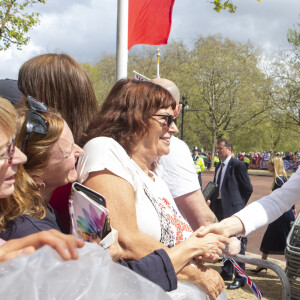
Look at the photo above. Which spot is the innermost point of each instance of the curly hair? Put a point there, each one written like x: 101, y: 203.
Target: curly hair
x: 27, y: 198
x: 126, y: 111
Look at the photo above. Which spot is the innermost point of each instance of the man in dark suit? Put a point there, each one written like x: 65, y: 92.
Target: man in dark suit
x: 235, y: 190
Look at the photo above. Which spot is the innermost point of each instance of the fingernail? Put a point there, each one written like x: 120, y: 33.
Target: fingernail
x: 67, y: 254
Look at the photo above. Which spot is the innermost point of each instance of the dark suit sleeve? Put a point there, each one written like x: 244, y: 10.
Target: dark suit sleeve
x: 244, y: 182
x: 157, y: 267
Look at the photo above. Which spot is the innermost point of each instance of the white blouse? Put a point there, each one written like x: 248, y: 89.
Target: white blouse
x: 105, y: 153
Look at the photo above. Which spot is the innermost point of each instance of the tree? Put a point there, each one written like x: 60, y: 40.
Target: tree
x: 286, y: 72
x: 15, y: 22
x: 227, y: 88
x: 225, y: 5
x: 293, y: 36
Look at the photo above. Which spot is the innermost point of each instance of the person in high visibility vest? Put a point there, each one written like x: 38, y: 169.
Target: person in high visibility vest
x: 199, y: 164
x: 216, y: 160
x: 247, y: 161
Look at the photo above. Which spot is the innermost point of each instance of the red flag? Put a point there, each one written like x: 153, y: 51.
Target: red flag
x: 149, y: 22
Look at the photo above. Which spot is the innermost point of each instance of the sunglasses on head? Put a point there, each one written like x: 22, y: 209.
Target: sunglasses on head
x: 169, y: 119
x: 10, y: 151
x: 35, y: 122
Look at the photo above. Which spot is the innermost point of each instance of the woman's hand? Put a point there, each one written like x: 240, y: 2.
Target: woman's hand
x: 65, y: 245
x: 209, y: 247
x: 115, y: 250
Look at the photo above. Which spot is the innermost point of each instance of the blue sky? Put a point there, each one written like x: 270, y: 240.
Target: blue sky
x: 86, y: 29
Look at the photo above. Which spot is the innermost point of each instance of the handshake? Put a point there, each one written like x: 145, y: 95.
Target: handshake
x: 214, y: 240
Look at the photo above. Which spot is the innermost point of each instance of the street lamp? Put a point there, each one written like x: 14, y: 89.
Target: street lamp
x: 184, y: 106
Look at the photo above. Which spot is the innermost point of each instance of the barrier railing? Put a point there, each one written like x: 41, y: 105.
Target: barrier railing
x: 286, y: 289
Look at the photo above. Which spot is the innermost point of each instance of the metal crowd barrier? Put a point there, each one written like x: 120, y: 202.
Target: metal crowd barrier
x: 292, y: 254
x: 286, y: 289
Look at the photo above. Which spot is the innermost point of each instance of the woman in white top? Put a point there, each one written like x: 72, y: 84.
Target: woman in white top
x: 132, y: 129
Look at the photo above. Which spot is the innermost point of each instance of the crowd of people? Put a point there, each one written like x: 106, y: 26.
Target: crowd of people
x: 252, y: 160
x: 125, y: 150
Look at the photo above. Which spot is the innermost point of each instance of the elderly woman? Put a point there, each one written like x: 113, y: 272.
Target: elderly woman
x: 10, y: 158
x: 132, y: 130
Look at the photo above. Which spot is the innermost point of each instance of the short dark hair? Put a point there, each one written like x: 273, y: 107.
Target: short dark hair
x: 125, y: 113
x: 227, y: 143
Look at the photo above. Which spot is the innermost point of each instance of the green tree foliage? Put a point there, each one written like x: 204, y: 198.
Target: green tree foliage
x: 15, y: 22
x: 293, y: 35
x: 225, y: 5
x: 225, y: 89
x: 286, y: 72
x: 102, y: 75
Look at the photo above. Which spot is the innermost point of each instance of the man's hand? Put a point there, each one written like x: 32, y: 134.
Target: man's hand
x: 65, y: 245
x: 209, y: 247
x: 216, y: 228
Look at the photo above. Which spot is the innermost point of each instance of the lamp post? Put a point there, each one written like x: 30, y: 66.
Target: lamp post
x: 184, y: 106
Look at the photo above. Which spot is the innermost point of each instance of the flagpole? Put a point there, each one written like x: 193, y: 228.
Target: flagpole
x: 122, y: 40
x: 157, y: 63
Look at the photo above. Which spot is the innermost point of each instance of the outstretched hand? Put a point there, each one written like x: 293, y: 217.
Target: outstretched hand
x: 65, y: 245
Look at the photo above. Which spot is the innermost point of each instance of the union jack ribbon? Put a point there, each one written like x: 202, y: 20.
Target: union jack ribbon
x: 258, y: 293
x: 137, y: 77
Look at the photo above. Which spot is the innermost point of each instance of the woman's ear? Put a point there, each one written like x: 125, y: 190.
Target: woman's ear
x: 38, y: 180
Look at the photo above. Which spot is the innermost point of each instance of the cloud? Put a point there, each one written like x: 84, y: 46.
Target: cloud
x: 87, y: 29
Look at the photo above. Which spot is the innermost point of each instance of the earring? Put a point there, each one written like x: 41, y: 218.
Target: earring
x: 41, y: 186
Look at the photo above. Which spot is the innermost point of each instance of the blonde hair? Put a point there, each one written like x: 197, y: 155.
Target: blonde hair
x: 8, y: 118
x: 278, y: 166
x: 27, y: 198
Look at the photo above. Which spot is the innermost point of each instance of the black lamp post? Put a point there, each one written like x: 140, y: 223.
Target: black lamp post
x: 184, y: 106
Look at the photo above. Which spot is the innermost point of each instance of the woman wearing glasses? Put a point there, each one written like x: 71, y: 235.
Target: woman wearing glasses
x: 51, y: 153
x: 132, y: 130
x: 10, y: 158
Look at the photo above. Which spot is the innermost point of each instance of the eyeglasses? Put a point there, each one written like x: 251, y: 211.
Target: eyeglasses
x: 35, y: 122
x: 169, y: 119
x: 10, y: 151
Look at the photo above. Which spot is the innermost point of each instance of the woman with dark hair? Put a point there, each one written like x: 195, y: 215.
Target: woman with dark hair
x: 133, y: 129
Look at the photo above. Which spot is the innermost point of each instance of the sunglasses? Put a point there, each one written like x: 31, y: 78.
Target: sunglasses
x: 35, y: 122
x: 10, y: 151
x: 168, y: 118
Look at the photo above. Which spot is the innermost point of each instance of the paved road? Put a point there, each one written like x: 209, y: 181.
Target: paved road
x: 261, y: 187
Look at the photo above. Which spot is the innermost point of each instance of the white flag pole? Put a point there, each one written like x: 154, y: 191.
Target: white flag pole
x: 122, y: 40
x: 157, y: 63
